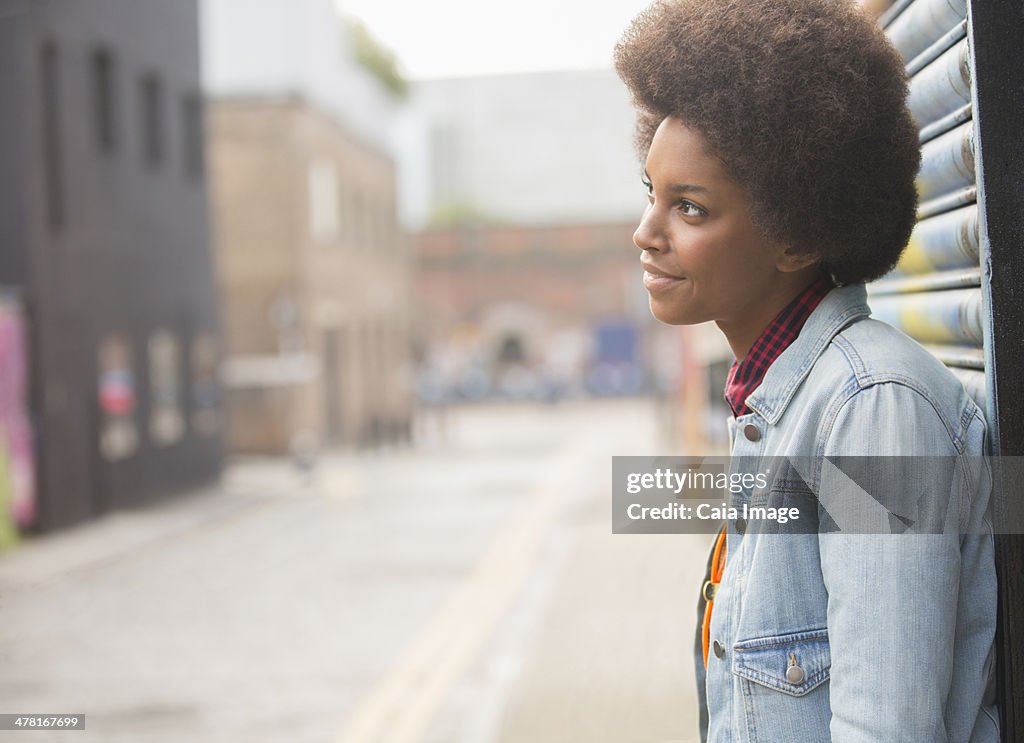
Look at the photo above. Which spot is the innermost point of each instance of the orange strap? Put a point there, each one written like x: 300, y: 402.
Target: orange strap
x: 717, y: 568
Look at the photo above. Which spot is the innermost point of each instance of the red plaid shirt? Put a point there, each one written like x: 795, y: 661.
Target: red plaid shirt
x: 746, y: 375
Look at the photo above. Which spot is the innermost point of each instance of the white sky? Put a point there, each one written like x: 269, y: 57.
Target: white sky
x: 455, y: 38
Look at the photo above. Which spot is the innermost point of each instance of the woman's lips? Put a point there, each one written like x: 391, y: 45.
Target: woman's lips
x: 659, y: 281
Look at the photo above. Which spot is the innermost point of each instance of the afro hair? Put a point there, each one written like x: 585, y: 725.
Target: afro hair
x: 804, y: 101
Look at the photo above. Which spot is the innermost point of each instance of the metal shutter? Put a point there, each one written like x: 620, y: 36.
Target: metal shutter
x: 935, y: 292
x: 959, y: 287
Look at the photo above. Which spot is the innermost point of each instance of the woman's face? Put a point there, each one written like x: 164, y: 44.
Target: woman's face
x: 703, y: 258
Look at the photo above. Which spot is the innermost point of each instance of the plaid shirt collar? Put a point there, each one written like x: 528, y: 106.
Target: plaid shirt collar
x: 746, y: 375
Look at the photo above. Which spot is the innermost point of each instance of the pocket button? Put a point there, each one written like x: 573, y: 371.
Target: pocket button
x: 795, y: 675
x: 719, y: 650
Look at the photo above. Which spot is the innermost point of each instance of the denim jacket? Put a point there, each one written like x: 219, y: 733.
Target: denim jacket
x: 891, y: 635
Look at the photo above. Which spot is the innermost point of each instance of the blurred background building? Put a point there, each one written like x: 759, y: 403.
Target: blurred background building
x: 313, y: 268
x: 110, y: 320
x: 526, y: 269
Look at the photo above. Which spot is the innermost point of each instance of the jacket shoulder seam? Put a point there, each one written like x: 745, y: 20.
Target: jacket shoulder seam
x: 864, y: 383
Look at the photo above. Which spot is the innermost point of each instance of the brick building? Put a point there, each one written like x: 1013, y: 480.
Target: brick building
x: 313, y: 268
x: 509, y: 300
x: 526, y: 268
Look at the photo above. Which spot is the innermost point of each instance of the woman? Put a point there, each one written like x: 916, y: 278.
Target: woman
x: 779, y: 165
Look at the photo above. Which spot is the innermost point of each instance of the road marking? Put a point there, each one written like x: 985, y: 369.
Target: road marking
x: 402, y: 707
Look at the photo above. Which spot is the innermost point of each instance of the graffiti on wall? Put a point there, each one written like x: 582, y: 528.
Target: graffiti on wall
x: 17, y: 470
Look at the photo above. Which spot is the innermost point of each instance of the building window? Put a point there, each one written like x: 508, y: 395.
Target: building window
x: 343, y: 216
x: 166, y: 417
x: 152, y: 120
x: 370, y: 223
x: 351, y: 217
x: 391, y: 226
x: 204, y: 386
x: 103, y: 99
x: 383, y: 235
x: 119, y: 436
x: 192, y: 133
x: 323, y: 200
x: 48, y: 63
x: 358, y: 221
x: 380, y: 215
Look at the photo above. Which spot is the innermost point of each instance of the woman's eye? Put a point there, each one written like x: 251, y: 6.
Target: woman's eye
x: 689, y: 209
x: 648, y: 186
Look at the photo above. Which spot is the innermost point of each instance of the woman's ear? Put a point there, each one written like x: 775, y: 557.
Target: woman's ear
x: 789, y: 259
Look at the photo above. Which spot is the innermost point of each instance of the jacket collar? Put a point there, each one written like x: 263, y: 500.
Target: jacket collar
x: 842, y: 306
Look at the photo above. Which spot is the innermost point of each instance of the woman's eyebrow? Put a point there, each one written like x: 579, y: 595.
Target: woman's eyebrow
x: 682, y: 187
x: 687, y: 187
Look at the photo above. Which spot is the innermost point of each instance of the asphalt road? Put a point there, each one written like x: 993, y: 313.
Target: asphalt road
x: 466, y: 591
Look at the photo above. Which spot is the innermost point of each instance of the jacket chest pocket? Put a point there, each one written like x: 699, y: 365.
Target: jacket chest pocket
x: 782, y: 682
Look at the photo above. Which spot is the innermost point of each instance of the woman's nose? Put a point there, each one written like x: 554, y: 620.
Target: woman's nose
x: 648, y: 234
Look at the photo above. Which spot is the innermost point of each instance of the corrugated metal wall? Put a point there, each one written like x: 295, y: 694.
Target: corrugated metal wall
x: 960, y: 287
x: 935, y: 293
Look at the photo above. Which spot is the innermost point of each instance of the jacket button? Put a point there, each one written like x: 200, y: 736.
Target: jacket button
x: 752, y: 432
x: 741, y: 525
x: 795, y: 675
x: 719, y: 650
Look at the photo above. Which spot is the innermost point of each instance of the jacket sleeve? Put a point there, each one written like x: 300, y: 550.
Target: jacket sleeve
x: 892, y: 597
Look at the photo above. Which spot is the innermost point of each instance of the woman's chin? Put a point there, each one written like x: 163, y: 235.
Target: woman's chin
x: 671, y: 314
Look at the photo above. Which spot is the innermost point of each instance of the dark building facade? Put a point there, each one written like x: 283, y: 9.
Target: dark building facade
x: 104, y: 241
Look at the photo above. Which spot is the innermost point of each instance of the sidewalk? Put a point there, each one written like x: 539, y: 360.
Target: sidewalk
x: 245, y: 484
